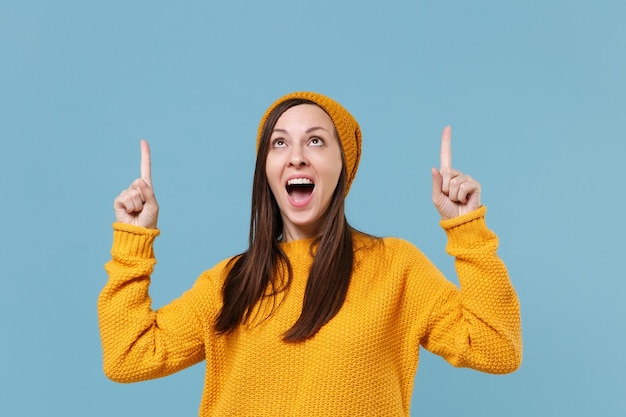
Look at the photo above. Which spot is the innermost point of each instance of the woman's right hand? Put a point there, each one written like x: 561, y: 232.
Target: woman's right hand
x: 137, y: 204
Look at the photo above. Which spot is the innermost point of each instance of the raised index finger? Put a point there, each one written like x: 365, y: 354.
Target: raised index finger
x: 145, y: 162
x: 446, y: 150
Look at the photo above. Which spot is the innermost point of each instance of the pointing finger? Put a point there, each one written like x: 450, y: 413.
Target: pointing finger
x: 446, y: 151
x: 145, y: 162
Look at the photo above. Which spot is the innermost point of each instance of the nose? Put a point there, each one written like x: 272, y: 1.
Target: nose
x: 297, y: 157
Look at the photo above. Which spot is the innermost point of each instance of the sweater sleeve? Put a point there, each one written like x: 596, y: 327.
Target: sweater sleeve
x: 477, y: 326
x: 139, y: 343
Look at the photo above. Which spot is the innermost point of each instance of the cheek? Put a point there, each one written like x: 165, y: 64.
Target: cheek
x: 269, y: 168
x: 337, y: 167
x: 272, y: 174
x: 332, y: 174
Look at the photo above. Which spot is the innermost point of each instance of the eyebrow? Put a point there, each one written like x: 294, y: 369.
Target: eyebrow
x: 309, y: 130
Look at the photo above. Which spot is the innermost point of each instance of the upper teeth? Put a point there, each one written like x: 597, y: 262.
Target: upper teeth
x: 299, y: 181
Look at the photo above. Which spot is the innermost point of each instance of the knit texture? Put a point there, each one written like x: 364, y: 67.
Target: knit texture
x: 346, y: 125
x: 362, y: 362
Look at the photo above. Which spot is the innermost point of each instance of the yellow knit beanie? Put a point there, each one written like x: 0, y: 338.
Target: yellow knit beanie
x: 347, y: 128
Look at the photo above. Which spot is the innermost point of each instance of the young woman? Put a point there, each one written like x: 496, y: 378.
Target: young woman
x: 315, y: 318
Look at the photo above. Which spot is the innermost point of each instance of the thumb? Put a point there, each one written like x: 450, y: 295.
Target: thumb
x: 147, y: 192
x: 437, y: 185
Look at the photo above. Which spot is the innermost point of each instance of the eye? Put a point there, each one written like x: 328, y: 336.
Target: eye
x: 279, y: 143
x: 316, y: 141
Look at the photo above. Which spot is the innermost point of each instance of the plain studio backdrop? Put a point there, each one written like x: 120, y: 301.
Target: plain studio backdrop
x: 534, y: 91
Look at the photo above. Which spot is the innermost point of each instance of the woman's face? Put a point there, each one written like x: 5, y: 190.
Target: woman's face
x: 303, y: 167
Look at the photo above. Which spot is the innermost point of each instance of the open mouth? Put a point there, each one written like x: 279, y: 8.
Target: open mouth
x: 299, y: 189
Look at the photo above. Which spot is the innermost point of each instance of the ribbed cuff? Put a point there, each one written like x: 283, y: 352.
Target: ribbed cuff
x: 133, y: 241
x: 467, y: 230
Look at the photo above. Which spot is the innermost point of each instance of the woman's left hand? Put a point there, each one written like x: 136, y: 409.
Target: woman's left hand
x: 454, y: 193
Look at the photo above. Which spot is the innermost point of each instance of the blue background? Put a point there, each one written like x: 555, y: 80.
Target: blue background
x: 535, y: 93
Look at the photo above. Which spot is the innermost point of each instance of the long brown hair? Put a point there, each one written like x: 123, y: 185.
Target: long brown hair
x: 264, y: 269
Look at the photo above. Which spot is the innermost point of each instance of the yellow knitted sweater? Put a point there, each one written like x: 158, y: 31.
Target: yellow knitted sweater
x: 362, y: 362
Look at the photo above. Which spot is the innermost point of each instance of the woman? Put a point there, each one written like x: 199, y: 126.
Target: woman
x: 315, y: 318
